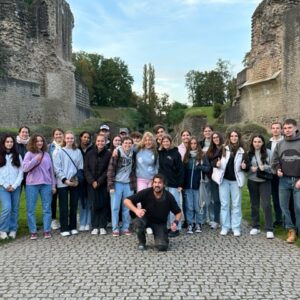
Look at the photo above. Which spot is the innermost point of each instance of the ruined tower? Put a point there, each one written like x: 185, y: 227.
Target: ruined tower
x: 38, y: 82
x: 269, y: 86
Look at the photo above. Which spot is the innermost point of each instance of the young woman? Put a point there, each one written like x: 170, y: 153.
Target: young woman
x: 67, y: 162
x: 95, y: 170
x: 185, y: 138
x: 116, y: 142
x: 57, y: 141
x: 22, y: 140
x: 193, y: 168
x: 213, y: 154
x: 121, y: 181
x: 260, y: 189
x: 11, y: 176
x: 231, y: 180
x: 207, y: 134
x: 170, y: 165
x: 84, y: 204
x: 146, y: 161
x: 39, y: 180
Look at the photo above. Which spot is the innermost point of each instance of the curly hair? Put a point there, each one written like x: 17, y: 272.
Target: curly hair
x: 31, y: 146
x: 3, y: 151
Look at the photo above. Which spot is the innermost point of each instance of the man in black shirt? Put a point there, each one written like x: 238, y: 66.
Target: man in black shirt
x: 152, y: 207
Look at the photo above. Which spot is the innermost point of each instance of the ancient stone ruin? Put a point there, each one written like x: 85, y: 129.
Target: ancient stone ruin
x: 38, y: 84
x: 269, y: 86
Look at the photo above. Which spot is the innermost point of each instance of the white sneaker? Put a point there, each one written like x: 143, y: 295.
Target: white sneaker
x: 236, y: 232
x: 102, y: 231
x: 87, y: 228
x: 270, y: 235
x: 55, y: 225
x: 224, y: 231
x: 81, y: 228
x: 214, y: 225
x: 95, y: 231
x: 254, y: 231
x: 3, y: 235
x: 65, y: 233
x: 149, y: 230
x: 12, y: 234
x: 74, y: 231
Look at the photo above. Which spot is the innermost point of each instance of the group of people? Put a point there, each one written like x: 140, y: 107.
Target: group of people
x: 165, y: 187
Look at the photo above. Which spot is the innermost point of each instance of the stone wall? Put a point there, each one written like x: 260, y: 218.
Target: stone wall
x: 268, y: 88
x: 36, y: 46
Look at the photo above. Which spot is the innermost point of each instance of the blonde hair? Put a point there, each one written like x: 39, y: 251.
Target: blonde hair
x: 74, y: 146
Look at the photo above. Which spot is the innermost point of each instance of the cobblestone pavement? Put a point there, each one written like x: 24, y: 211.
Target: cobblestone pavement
x: 198, y: 266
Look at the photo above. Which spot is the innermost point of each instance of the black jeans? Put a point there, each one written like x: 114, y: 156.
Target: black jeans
x: 214, y: 188
x: 54, y: 205
x: 160, y: 233
x: 68, y: 212
x: 99, y: 199
x: 260, y: 193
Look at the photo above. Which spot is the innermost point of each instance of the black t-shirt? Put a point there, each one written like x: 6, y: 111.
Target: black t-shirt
x: 157, y: 210
x: 229, y: 171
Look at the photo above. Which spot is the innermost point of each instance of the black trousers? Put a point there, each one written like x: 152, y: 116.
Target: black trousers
x: 99, y: 199
x: 160, y: 233
x: 54, y: 205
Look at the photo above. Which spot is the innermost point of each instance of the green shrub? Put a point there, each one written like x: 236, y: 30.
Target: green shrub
x: 217, y: 110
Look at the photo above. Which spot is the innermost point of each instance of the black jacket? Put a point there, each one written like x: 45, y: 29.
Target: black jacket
x: 95, y: 166
x: 171, y: 166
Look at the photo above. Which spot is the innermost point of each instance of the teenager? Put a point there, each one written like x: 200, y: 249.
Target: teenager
x: 171, y: 167
x: 22, y: 140
x: 85, y: 145
x: 95, y: 170
x: 121, y: 181
x: 105, y: 130
x: 213, y: 154
x: 58, y: 139
x: 231, y: 180
x: 185, y: 138
x: 159, y: 131
x: 68, y: 162
x: 259, y: 188
x: 40, y: 180
x: 11, y: 176
x: 116, y: 142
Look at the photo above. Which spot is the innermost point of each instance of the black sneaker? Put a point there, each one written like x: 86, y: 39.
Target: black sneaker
x: 173, y: 233
x: 141, y: 247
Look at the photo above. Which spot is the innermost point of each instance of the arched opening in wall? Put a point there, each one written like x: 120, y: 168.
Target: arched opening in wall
x: 43, y: 19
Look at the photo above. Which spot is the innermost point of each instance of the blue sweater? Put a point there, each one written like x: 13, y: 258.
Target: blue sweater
x: 146, y: 164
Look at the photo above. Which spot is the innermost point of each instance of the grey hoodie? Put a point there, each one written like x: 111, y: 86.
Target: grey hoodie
x: 286, y: 156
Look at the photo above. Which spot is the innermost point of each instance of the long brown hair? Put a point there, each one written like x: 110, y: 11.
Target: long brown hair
x: 15, y: 155
x: 31, y: 146
x: 233, y: 148
x: 200, y: 153
x: 213, y: 148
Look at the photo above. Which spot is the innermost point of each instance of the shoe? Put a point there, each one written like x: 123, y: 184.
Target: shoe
x: 254, y: 231
x: 127, y: 232
x: 94, y: 231
x: 81, y: 228
x: 12, y: 234
x: 74, y: 231
x: 236, y: 232
x: 3, y: 235
x: 291, y: 236
x: 270, y: 235
x: 190, y: 229
x: 198, y: 228
x: 65, y: 233
x: 214, y: 225
x: 149, y: 230
x: 277, y: 223
x: 33, y: 236
x: 87, y: 228
x: 102, y: 231
x: 174, y: 233
x: 224, y: 232
x: 47, y: 235
x: 55, y: 224
x: 115, y: 233
x: 141, y: 247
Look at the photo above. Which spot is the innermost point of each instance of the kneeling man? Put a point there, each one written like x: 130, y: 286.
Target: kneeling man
x: 152, y: 207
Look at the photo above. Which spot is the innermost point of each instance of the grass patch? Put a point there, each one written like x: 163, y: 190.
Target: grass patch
x: 204, y: 111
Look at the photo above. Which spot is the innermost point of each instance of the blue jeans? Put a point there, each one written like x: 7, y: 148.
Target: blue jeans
x: 45, y: 191
x: 10, y: 209
x: 84, y: 212
x: 286, y: 188
x: 192, y: 207
x: 229, y: 190
x: 176, y: 194
x: 122, y: 191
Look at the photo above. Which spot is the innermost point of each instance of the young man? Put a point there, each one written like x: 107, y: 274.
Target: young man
x: 286, y: 163
x: 105, y: 131
x: 159, y: 131
x: 276, y: 129
x: 152, y: 207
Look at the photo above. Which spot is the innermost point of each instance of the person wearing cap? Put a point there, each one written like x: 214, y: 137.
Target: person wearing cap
x: 123, y: 132
x: 105, y: 131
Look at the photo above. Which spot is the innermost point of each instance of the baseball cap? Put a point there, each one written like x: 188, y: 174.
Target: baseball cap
x: 104, y: 127
x: 125, y: 130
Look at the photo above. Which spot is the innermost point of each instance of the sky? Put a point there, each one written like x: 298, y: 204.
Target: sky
x: 175, y: 36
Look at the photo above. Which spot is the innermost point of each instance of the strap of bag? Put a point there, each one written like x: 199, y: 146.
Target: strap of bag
x: 70, y: 158
x: 37, y: 164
